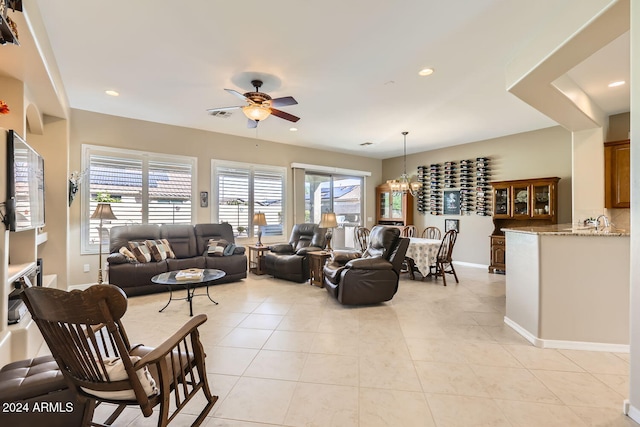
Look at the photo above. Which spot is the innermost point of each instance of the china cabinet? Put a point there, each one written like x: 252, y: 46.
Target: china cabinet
x: 393, y: 208
x: 617, y: 174
x: 519, y: 203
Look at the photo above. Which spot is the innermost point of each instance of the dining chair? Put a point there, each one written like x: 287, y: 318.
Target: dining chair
x: 409, y: 231
x: 361, y: 238
x: 431, y: 233
x: 444, y: 261
x: 86, y: 337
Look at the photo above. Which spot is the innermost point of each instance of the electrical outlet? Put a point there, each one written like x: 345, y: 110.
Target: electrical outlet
x: 87, y: 268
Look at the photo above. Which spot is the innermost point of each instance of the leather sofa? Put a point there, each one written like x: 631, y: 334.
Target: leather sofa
x: 289, y: 260
x: 189, y: 244
x: 372, y: 277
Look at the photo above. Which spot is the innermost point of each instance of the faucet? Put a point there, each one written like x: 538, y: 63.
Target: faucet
x: 606, y: 221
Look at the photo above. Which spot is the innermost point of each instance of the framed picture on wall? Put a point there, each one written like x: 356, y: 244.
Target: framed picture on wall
x: 204, y: 199
x: 451, y: 224
x: 451, y: 202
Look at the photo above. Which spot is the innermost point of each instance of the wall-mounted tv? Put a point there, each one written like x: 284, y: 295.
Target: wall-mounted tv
x: 25, y: 185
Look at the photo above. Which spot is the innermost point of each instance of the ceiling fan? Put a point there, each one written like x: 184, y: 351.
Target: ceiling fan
x: 260, y: 105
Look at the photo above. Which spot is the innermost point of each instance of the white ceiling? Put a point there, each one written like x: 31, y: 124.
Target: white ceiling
x: 352, y: 66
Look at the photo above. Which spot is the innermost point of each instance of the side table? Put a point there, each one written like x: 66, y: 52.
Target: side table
x: 317, y: 260
x: 256, y: 259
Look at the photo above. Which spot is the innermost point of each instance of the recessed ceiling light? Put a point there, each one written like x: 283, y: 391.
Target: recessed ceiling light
x: 293, y: 129
x: 425, y: 72
x: 112, y: 93
x: 616, y: 84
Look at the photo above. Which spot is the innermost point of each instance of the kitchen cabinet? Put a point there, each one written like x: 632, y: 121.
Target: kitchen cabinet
x: 617, y: 174
x: 520, y: 203
x: 393, y: 208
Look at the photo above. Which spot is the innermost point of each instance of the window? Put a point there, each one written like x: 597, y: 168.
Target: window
x: 241, y: 190
x: 339, y: 194
x: 147, y: 188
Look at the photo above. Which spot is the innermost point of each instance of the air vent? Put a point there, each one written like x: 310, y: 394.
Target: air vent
x: 364, y: 144
x: 221, y: 114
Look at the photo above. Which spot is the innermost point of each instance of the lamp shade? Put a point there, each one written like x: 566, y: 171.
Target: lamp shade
x: 256, y: 112
x: 328, y: 220
x: 103, y: 211
x: 259, y: 219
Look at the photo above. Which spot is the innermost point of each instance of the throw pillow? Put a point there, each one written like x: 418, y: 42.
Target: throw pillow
x: 116, y: 372
x: 216, y: 247
x: 229, y: 250
x: 128, y: 254
x: 140, y: 251
x: 160, y: 249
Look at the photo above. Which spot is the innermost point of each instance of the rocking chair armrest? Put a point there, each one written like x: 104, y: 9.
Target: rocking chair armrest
x: 171, y: 343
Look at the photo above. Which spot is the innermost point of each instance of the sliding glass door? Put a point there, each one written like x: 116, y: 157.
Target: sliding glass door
x: 339, y: 194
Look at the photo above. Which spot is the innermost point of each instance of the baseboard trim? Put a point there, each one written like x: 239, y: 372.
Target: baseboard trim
x: 565, y: 345
x: 81, y: 287
x: 631, y: 411
x: 470, y: 264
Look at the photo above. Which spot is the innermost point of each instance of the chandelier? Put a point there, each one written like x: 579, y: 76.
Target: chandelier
x: 404, y: 184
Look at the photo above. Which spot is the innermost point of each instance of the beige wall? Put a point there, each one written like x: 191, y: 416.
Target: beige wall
x: 99, y: 129
x: 535, y: 154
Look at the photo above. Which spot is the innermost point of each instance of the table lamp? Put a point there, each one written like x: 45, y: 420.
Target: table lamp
x: 328, y: 221
x: 103, y: 211
x: 259, y: 219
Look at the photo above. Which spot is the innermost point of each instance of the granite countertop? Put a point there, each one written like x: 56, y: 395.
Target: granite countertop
x: 570, y: 230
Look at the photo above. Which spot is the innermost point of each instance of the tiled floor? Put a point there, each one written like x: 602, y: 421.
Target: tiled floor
x: 283, y: 353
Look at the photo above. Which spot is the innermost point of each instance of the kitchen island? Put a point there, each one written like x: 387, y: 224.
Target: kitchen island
x: 568, y: 286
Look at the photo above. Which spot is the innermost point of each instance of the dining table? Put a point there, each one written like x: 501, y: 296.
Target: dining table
x: 422, y: 254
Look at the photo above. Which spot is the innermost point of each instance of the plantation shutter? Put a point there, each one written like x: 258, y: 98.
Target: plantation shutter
x: 233, y: 198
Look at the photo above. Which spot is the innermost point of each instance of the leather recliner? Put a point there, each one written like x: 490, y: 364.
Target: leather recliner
x: 371, y: 278
x: 289, y: 260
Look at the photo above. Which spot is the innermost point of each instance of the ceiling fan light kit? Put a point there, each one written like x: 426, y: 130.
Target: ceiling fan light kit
x: 260, y: 105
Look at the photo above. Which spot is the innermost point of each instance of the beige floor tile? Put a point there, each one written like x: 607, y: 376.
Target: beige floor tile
x: 245, y: 338
x: 220, y: 385
x: 229, y: 360
x: 346, y: 345
x: 466, y: 332
x: 619, y: 383
x: 257, y: 399
x: 435, y: 350
x: 482, y: 353
x: 580, y: 389
x: 388, y: 373
x: 391, y: 348
x: 323, y: 405
x: 273, y: 308
x: 488, y: 319
x: 222, y: 422
x: 505, y: 335
x: 513, y: 384
x: 261, y: 321
x: 384, y: 408
x: 290, y: 341
x: 542, y: 358
x: 330, y: 369
x: 603, y: 417
x: 465, y: 411
x: 280, y: 365
x: 299, y: 322
x: 449, y: 378
x: 528, y: 414
x: 598, y: 362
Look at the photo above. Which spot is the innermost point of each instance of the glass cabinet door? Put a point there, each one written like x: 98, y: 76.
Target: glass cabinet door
x: 541, y: 201
x: 521, y: 200
x: 396, y: 205
x: 385, y: 205
x: 501, y: 201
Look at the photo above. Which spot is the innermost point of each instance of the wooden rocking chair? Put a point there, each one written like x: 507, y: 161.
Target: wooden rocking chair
x: 88, y: 341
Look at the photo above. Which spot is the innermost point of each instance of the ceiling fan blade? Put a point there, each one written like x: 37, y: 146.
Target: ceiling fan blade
x: 284, y: 115
x: 283, y: 102
x: 238, y: 94
x: 212, y: 110
x: 252, y: 123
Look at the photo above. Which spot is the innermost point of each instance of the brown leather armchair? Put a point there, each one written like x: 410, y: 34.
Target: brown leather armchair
x: 371, y: 278
x: 289, y: 260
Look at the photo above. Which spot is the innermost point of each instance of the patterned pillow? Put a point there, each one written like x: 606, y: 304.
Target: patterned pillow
x: 216, y: 247
x: 128, y: 254
x: 160, y: 249
x: 140, y: 251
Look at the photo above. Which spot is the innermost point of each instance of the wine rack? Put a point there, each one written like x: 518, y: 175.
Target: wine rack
x: 483, y: 189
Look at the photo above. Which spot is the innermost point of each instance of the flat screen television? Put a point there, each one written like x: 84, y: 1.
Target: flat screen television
x: 25, y: 185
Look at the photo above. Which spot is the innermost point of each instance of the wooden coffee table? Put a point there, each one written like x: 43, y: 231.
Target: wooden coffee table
x: 169, y: 278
